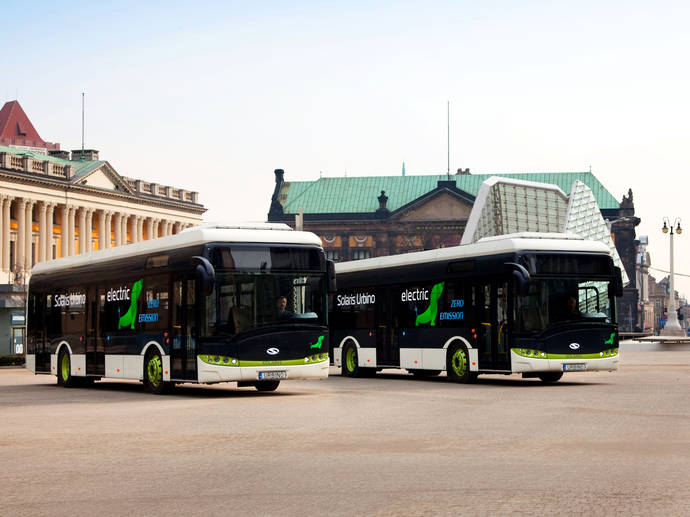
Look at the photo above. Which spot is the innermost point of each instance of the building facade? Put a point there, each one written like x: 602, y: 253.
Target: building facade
x: 54, y: 203
x: 362, y: 217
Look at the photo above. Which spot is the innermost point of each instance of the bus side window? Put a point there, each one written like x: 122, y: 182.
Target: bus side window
x: 53, y: 319
x: 481, y: 302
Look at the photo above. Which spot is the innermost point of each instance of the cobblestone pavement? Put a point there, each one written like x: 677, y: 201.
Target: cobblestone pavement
x: 592, y: 444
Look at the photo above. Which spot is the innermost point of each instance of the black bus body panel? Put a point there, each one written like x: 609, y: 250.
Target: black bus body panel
x: 94, y: 331
x: 486, y: 286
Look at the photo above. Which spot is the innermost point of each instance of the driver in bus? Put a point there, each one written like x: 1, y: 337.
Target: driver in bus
x: 281, y: 306
x: 573, y: 308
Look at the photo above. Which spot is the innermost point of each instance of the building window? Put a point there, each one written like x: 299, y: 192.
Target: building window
x: 333, y: 254
x: 360, y: 253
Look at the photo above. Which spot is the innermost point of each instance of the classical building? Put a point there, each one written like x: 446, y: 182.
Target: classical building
x: 362, y: 217
x: 54, y: 203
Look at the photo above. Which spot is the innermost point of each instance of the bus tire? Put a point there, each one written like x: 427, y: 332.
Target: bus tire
x: 64, y: 367
x: 550, y: 377
x: 153, y: 373
x: 350, y: 361
x: 458, y: 364
x: 266, y: 385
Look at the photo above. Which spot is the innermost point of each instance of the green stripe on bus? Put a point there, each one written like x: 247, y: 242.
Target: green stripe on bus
x: 217, y: 360
x: 537, y: 354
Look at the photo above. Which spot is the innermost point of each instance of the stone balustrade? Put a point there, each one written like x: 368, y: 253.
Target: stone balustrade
x: 34, y: 165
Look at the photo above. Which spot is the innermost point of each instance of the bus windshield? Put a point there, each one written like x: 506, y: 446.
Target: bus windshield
x: 554, y: 301
x: 243, y: 301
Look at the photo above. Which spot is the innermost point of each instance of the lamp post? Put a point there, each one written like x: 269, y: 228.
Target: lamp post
x: 672, y: 327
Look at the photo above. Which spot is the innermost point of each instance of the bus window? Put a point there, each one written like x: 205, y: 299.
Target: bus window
x: 243, y: 301
x: 502, y: 316
x: 154, y: 305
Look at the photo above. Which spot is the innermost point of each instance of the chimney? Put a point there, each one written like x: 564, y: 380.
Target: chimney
x: 462, y: 172
x: 90, y: 155
x: 275, y: 213
x: 57, y: 153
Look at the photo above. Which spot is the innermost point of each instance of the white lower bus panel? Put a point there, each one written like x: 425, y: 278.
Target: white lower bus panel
x: 210, y: 369
x: 604, y: 361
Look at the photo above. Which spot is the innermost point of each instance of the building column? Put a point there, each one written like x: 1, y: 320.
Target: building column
x: 118, y: 229
x: 64, y: 238
x: 140, y: 229
x: 88, y: 229
x: 122, y: 224
x: 149, y: 228
x: 135, y: 228
x: 5, y: 233
x: 101, y: 229
x: 50, y: 213
x: 108, y: 230
x: 70, y: 229
x: 20, y: 247
x: 42, y: 231
x: 28, y: 239
x: 82, y: 230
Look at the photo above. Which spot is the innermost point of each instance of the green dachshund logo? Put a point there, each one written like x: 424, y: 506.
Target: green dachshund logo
x: 318, y: 343
x: 130, y: 317
x: 429, y: 315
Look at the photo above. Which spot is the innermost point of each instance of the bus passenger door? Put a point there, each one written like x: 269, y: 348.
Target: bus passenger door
x: 95, y: 353
x: 184, y: 330
x: 387, y: 347
x: 502, y: 355
x: 491, y: 303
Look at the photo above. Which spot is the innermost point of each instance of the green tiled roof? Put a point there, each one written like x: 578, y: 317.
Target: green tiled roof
x: 360, y: 194
x: 80, y: 168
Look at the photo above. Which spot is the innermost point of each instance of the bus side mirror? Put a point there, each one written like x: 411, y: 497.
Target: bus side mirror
x: 330, y: 270
x: 617, y: 282
x: 521, y: 276
x: 205, y: 273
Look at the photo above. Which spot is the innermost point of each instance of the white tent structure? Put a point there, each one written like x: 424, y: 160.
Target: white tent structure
x: 505, y: 206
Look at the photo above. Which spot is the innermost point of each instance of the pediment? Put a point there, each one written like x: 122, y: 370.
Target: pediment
x: 442, y: 206
x: 99, y: 179
x: 104, y: 177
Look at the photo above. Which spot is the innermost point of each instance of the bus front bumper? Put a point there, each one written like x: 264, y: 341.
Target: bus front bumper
x: 212, y: 370
x: 522, y: 362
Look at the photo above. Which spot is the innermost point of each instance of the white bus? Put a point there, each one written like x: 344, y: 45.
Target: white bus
x: 211, y: 304
x: 535, y: 304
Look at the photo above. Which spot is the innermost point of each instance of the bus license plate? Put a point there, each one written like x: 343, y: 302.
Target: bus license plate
x: 574, y: 367
x: 272, y: 376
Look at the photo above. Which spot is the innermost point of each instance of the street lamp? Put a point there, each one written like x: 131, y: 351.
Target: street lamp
x: 672, y: 327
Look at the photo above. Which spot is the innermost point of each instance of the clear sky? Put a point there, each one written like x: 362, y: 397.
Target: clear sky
x: 212, y: 96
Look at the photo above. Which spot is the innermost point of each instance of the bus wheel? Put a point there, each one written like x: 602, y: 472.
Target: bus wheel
x: 550, y: 377
x: 350, y: 360
x: 153, y: 373
x: 458, y: 364
x: 266, y: 385
x: 64, y: 374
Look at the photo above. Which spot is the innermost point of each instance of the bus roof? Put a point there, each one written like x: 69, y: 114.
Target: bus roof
x: 254, y: 233
x: 483, y: 247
